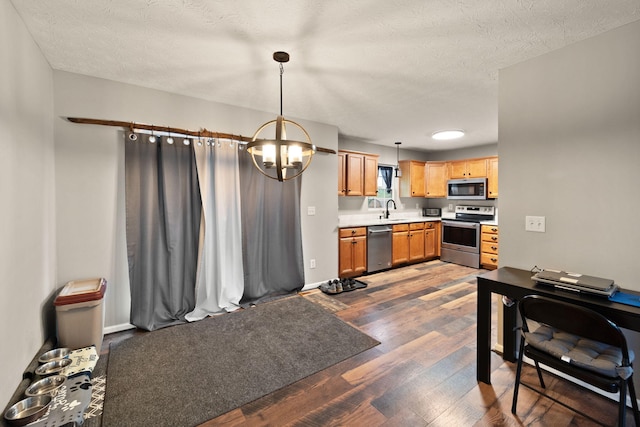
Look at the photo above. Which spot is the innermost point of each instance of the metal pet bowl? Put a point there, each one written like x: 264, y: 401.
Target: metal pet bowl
x: 55, y: 354
x: 53, y: 367
x: 46, y: 386
x: 27, y: 410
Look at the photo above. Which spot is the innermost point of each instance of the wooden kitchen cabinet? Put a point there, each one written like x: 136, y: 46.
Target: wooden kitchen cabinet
x: 436, y: 179
x: 400, y: 244
x: 412, y: 179
x: 352, y: 251
x: 492, y: 177
x: 370, y: 175
x: 357, y: 173
x: 416, y: 241
x: 431, y: 239
x: 489, y: 246
x: 342, y: 173
x: 468, y: 168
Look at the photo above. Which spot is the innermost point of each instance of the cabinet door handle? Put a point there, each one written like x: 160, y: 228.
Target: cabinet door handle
x: 495, y: 248
x: 494, y: 238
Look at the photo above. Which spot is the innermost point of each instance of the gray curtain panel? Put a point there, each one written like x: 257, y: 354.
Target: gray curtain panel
x: 271, y: 236
x: 163, y: 211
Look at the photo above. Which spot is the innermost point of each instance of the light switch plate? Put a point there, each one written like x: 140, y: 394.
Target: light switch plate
x: 534, y: 223
x: 311, y: 210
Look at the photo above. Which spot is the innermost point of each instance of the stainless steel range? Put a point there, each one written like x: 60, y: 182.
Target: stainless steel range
x: 461, y: 236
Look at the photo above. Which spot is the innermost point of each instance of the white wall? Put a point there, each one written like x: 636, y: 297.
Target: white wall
x: 27, y: 194
x: 486, y: 150
x: 569, y: 147
x: 90, y: 178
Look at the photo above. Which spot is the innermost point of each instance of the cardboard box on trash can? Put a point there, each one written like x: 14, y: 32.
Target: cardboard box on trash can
x: 80, y: 313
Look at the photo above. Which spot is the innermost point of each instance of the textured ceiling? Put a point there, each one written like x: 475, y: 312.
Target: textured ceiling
x: 381, y: 71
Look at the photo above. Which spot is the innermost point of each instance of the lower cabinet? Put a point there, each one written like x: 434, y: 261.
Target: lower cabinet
x: 411, y: 242
x: 400, y: 244
x: 415, y: 242
x: 489, y: 247
x: 352, y: 251
x: 431, y: 240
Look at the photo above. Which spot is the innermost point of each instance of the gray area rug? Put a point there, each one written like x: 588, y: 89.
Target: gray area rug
x: 187, y: 374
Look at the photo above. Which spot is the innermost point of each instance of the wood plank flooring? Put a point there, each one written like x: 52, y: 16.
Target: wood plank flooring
x: 423, y: 372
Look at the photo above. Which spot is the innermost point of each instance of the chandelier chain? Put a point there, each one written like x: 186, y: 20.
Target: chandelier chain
x: 281, y: 73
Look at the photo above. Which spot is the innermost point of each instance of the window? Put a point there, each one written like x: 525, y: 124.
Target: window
x: 384, y: 193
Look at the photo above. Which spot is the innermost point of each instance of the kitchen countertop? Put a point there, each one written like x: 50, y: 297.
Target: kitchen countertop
x: 391, y: 221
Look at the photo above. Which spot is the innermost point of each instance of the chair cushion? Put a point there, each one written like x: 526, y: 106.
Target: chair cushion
x: 588, y: 354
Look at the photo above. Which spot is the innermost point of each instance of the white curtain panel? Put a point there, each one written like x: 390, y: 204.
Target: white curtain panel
x: 220, y: 275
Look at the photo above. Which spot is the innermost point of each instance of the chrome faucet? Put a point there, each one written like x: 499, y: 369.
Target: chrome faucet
x: 386, y: 213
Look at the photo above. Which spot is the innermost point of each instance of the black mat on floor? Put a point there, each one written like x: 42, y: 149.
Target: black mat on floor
x: 187, y: 374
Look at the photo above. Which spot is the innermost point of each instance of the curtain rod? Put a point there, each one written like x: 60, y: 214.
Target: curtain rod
x: 199, y: 133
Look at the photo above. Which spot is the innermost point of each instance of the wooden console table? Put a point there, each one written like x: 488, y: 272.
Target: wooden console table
x: 517, y: 283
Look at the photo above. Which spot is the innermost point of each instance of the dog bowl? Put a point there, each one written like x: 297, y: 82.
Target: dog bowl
x: 46, y: 386
x: 55, y: 354
x: 53, y: 367
x: 27, y: 410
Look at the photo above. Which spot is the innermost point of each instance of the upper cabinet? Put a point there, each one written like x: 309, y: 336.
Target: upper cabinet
x: 370, y: 175
x: 470, y: 168
x: 412, y: 179
x: 357, y: 173
x: 436, y: 177
x: 492, y: 177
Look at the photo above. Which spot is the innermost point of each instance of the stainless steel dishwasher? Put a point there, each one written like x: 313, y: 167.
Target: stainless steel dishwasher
x: 378, y: 247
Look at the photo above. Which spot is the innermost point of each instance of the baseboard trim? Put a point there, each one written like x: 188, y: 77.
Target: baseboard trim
x: 309, y: 286
x: 118, y: 328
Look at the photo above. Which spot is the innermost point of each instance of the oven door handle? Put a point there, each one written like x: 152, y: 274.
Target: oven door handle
x: 461, y: 224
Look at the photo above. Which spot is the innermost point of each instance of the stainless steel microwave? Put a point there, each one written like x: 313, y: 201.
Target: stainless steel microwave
x: 467, y: 189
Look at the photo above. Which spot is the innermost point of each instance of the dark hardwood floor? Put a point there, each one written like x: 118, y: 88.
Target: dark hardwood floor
x: 422, y: 373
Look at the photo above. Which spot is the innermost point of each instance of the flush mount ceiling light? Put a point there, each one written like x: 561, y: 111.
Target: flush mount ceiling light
x: 398, y: 170
x: 281, y: 158
x: 448, y: 134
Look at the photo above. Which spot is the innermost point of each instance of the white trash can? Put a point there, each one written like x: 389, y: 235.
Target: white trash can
x: 80, y: 313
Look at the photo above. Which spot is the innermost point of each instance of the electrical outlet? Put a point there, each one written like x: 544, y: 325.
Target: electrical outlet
x: 450, y: 207
x: 534, y: 223
x: 312, y: 263
x: 311, y: 210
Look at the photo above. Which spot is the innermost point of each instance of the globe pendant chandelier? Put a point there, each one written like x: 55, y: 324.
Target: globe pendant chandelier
x: 281, y: 158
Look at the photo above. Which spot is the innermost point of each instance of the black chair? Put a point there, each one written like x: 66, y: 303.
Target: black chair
x: 580, y: 343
